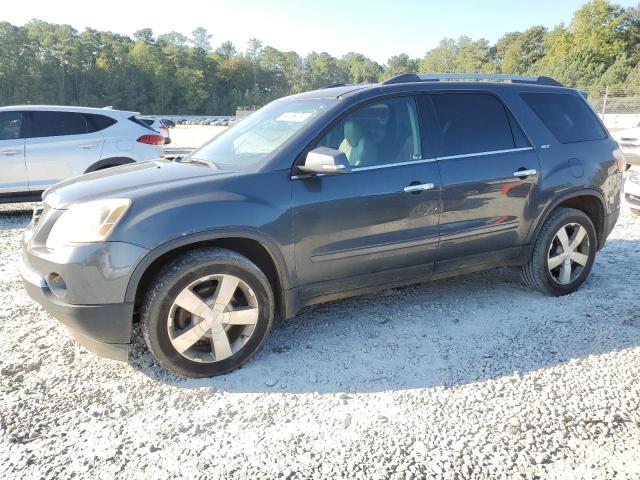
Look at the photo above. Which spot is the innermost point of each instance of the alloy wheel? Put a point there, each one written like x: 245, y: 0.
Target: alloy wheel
x: 568, y: 253
x: 212, y: 318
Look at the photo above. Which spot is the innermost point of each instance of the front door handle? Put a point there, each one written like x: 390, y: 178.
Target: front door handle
x: 90, y: 145
x: 418, y: 187
x: 10, y: 152
x: 524, y: 173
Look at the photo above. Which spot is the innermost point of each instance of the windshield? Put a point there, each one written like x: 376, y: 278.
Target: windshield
x: 262, y: 133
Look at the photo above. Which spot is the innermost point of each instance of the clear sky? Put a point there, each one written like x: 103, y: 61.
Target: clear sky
x: 378, y: 29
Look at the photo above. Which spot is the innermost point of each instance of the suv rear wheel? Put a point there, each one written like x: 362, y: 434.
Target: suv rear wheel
x: 563, y: 253
x: 207, y: 312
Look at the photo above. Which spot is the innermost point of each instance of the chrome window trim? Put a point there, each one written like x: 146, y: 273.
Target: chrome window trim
x: 424, y: 160
x: 477, y: 154
x: 373, y: 167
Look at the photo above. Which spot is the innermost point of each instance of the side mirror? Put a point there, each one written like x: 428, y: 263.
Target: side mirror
x: 327, y: 161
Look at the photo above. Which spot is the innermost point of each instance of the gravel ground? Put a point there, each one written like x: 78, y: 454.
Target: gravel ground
x: 473, y: 377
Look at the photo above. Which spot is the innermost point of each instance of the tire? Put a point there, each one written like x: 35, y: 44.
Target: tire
x: 547, y: 250
x: 207, y: 273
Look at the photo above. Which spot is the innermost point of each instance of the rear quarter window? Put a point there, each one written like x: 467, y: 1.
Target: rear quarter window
x: 567, y: 116
x: 98, y: 122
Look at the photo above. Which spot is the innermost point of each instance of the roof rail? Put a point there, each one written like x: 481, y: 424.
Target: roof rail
x: 337, y: 84
x: 436, y: 77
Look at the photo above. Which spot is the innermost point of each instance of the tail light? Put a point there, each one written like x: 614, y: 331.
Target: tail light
x: 151, y: 139
x: 621, y: 163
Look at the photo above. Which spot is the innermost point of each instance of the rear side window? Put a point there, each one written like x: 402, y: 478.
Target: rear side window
x: 98, y: 122
x: 10, y: 123
x: 56, y: 124
x: 142, y: 123
x: 567, y: 116
x: 471, y: 123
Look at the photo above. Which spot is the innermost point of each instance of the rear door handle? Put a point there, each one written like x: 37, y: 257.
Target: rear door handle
x: 10, y: 152
x: 89, y: 145
x: 418, y: 187
x: 524, y: 173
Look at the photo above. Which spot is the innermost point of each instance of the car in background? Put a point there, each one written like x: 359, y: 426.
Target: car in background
x: 632, y: 190
x: 43, y: 145
x: 159, y: 126
x: 629, y: 142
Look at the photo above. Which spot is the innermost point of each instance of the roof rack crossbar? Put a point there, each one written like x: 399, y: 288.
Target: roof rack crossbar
x: 436, y: 77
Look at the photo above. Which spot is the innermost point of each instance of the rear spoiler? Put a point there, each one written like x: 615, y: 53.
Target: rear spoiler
x: 122, y: 113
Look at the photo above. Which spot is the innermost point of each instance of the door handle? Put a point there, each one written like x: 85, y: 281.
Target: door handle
x: 524, y: 173
x: 418, y: 188
x: 10, y: 152
x: 90, y: 145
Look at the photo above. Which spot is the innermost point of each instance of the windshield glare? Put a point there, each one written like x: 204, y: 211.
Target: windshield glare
x: 263, y: 132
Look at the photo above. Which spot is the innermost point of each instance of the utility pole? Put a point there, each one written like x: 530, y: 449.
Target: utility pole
x: 604, y: 102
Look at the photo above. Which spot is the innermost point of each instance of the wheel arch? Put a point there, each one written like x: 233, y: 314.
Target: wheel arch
x: 255, y: 247
x: 109, y: 162
x: 589, y: 201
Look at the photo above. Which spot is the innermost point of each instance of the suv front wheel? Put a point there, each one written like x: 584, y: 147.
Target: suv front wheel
x: 563, y: 253
x: 207, y: 312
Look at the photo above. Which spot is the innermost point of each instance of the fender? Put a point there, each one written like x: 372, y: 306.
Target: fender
x: 577, y: 192
x: 109, y: 162
x: 203, y: 236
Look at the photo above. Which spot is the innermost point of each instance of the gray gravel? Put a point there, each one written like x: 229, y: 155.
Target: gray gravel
x: 474, y: 377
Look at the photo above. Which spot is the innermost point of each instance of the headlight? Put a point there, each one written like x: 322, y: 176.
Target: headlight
x: 87, y: 222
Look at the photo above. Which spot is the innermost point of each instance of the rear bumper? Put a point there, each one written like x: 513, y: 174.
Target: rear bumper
x: 103, y: 329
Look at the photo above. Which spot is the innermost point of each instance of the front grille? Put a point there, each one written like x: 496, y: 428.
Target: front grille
x: 39, y: 211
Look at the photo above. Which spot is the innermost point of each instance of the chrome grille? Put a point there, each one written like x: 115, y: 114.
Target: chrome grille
x: 39, y: 211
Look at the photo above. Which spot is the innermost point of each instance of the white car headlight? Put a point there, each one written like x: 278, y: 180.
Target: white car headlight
x: 87, y: 222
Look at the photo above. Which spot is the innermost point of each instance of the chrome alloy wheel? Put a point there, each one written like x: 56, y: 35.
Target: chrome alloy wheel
x: 212, y: 318
x: 568, y: 253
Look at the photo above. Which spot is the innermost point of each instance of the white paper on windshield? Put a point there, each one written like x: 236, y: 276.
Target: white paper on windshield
x: 293, y: 117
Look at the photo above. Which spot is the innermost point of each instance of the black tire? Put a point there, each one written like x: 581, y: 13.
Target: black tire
x: 173, y: 278
x: 535, y: 273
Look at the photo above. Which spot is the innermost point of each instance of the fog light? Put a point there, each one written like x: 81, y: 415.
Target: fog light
x: 57, y: 285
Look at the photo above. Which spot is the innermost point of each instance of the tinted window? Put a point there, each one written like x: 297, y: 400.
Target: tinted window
x: 378, y: 134
x: 55, y: 124
x: 519, y: 138
x: 471, y: 123
x: 147, y: 121
x: 10, y: 125
x: 567, y: 116
x: 98, y: 122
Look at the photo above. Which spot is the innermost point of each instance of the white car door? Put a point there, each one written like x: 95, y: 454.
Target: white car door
x: 13, y: 171
x: 58, y: 146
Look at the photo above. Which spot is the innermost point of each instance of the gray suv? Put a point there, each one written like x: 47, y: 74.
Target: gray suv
x: 320, y: 196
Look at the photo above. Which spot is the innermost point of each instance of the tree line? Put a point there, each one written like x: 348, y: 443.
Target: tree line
x: 173, y: 73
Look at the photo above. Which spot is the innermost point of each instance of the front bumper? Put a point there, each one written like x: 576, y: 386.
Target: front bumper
x: 103, y: 329
x: 94, y: 278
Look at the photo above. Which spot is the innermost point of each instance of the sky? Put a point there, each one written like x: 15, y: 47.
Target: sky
x: 378, y: 29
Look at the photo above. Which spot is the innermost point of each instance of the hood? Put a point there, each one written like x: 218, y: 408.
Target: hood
x: 127, y: 181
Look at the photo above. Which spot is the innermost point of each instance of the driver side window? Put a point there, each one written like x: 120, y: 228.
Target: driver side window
x: 380, y: 133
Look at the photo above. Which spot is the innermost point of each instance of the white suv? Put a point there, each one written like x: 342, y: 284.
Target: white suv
x: 42, y: 145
